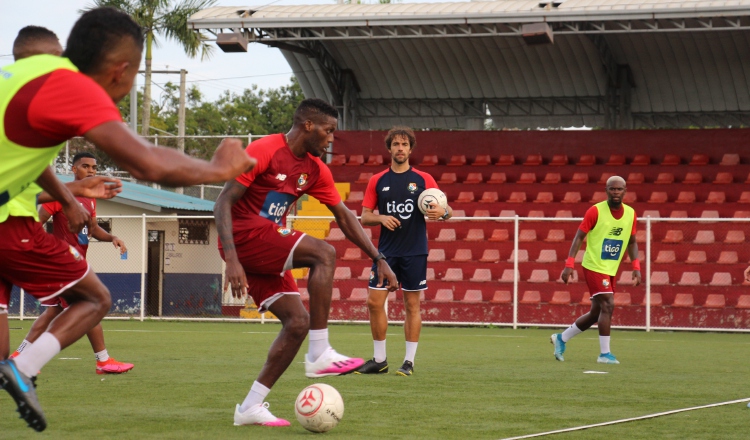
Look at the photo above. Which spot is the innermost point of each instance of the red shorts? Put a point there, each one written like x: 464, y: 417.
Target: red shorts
x: 265, y: 289
x: 598, y: 282
x: 38, y: 262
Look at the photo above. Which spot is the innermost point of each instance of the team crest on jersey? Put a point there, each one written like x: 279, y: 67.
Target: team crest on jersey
x: 372, y: 275
x: 605, y: 283
x: 302, y: 180
x: 412, y: 187
x: 75, y: 253
x: 284, y: 231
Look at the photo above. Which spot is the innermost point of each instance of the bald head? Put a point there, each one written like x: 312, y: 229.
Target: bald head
x: 35, y: 40
x: 615, y: 180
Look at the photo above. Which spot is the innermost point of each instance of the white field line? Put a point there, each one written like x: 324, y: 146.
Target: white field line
x: 632, y: 419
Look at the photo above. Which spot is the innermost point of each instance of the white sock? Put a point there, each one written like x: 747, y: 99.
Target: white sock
x: 379, y: 350
x: 102, y: 356
x: 318, y: 343
x: 411, y: 351
x: 256, y: 396
x: 34, y: 357
x: 571, y: 331
x: 24, y: 344
x: 604, y: 344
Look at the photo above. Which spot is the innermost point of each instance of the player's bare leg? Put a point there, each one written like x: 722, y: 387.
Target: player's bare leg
x: 4, y: 334
x: 412, y: 329
x: 379, y: 328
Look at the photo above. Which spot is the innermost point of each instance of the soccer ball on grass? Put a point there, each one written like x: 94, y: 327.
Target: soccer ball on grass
x: 319, y: 407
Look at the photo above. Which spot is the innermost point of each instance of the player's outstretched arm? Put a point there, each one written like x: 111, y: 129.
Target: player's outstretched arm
x: 165, y: 165
x: 235, y: 274
x: 351, y: 228
x: 574, y: 247
x: 95, y: 187
x: 77, y: 216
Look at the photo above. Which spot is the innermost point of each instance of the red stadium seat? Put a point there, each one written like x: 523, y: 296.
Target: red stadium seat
x: 472, y: 296
x: 744, y: 197
x: 641, y: 160
x: 457, y: 213
x: 626, y: 278
x: 356, y: 160
x: 547, y: 256
x: 507, y: 276
x: 481, y: 276
x: 630, y: 197
x: 599, y: 196
x: 734, y: 237
x: 586, y: 160
x: 658, y: 278
x: 457, y: 161
x: 527, y: 178
x: 465, y: 197
x: 443, y: 295
x: 337, y: 160
x: 429, y: 161
x: 352, y: 254
x: 704, y: 237
x: 616, y: 160
x: 671, y: 160
x: 436, y: 255
x: 492, y: 256
x: 693, y: 179
x: 715, y: 301
x: 558, y: 160
x: 586, y: 299
x: 723, y: 178
x: 508, y: 212
x: 635, y: 179
x: 728, y: 257
x: 716, y: 197
x: 363, y: 178
x: 447, y: 179
x: 505, y: 297
x: 527, y: 235
x: 473, y: 178
x: 342, y: 273
x: 653, y: 213
x: 475, y: 235
x: 304, y: 295
x: 499, y: 235
x: 730, y: 159
x: 430, y: 274
x: 685, y: 197
x: 555, y: 236
x: 690, y: 279
x: 544, y: 197
x: 699, y: 159
x: 622, y: 299
x: 665, y: 257
x: 482, y: 160
x: 497, y: 178
x: 560, y: 297
x: 664, y: 179
x: 678, y: 214
x: 603, y: 179
x: 696, y: 257
x: 375, y: 160
x: 506, y: 160
x: 658, y: 197
x: 721, y: 279
x: 446, y: 235
x: 533, y: 160
x: 535, y: 214
x: 741, y: 214
x: 683, y: 300
x: 336, y: 234
x: 523, y: 256
x: 640, y: 236
x: 552, y: 179
x: 453, y: 274
x: 743, y: 302
x: 673, y: 236
x: 564, y: 213
x: 656, y: 300
x: 358, y: 294
x: 462, y: 255
x: 579, y: 178
x: 531, y: 297
x: 481, y: 213
x: 517, y: 197
x: 356, y: 196
x: 489, y: 197
x: 365, y: 275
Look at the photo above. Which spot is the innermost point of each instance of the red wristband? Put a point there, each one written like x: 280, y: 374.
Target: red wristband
x: 570, y: 262
x: 636, y: 265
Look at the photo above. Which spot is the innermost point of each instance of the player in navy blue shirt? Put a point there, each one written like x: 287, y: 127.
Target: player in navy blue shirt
x: 403, y: 240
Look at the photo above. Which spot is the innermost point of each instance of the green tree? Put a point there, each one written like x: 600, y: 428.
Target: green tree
x: 168, y: 19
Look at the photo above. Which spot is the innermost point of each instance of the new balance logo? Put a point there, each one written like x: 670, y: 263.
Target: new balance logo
x: 281, y: 177
x: 386, y: 188
x: 616, y: 231
x: 423, y: 283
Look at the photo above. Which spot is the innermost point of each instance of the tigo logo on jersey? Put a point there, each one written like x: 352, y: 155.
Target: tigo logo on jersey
x: 275, y: 206
x: 403, y: 210
x: 284, y: 231
x: 412, y: 187
x: 302, y: 180
x: 611, y: 249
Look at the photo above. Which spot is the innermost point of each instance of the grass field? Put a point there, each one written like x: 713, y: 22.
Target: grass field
x: 477, y: 383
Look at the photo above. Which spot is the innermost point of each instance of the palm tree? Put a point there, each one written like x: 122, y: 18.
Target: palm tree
x: 167, y: 18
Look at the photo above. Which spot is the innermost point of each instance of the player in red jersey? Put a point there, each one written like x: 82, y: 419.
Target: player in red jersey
x: 259, y: 250
x: 84, y: 166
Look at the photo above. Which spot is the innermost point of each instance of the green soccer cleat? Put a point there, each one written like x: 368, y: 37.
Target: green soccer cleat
x: 406, y: 370
x: 607, y: 358
x: 556, y: 340
x: 373, y: 367
x: 21, y: 388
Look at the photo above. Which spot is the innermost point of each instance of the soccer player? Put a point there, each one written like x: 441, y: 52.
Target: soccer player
x: 45, y: 100
x: 259, y: 250
x: 403, y: 239
x: 610, y: 226
x: 84, y: 166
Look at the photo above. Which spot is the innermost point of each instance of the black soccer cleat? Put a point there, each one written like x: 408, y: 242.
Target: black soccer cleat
x: 373, y: 367
x: 21, y: 389
x: 406, y: 370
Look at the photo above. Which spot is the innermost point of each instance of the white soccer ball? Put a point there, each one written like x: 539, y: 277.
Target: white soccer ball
x: 432, y: 196
x: 319, y: 408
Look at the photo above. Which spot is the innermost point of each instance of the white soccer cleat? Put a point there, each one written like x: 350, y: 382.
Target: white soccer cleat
x: 257, y: 415
x: 331, y: 363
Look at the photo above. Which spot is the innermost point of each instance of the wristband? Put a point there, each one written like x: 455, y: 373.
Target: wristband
x: 378, y: 258
x: 636, y: 265
x: 570, y: 262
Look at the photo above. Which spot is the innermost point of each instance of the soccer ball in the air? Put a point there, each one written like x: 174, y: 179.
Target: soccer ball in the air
x: 431, y: 196
x: 319, y: 407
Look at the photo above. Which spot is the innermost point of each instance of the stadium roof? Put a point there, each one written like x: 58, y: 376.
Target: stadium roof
x: 143, y: 196
x: 614, y: 64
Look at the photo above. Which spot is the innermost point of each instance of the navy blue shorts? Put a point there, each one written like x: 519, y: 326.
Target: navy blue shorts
x: 411, y: 272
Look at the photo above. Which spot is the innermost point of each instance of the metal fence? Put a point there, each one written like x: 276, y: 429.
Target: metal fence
x: 500, y: 271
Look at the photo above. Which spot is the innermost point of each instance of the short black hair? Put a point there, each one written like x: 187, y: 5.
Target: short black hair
x: 97, y: 32
x: 29, y: 35
x: 81, y: 155
x: 313, y: 108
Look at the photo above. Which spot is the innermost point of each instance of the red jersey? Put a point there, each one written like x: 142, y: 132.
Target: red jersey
x: 592, y: 215
x: 277, y: 181
x: 60, y: 224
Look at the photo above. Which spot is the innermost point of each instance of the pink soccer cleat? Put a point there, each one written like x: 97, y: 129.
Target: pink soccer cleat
x: 258, y: 415
x: 111, y: 366
x: 331, y: 363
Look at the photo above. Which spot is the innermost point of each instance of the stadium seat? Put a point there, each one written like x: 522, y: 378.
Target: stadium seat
x: 741, y: 214
x: 728, y: 257
x: 622, y: 299
x: 517, y: 197
x: 658, y: 197
x: 586, y: 299
x: 430, y: 274
x: 482, y: 160
x: 579, y: 178
x: 709, y: 214
x: 446, y: 235
x: 447, y: 179
x: 375, y: 160
x: 630, y: 197
x: 458, y: 160
x: 481, y: 213
x: 499, y: 235
x: 547, y: 256
x: 453, y: 274
x: 336, y: 234
x: 555, y: 236
x: 641, y: 160
x: 337, y: 160
x: 658, y: 278
x: 626, y: 278
x: 365, y: 276
x: 304, y: 295
x: 552, y: 179
x: 481, y: 276
x: 723, y: 178
x: 730, y: 159
x: 744, y: 197
x: 616, y: 160
x: 527, y: 235
x: 564, y: 213
x: 443, y: 295
x: 358, y: 294
x: 465, y: 197
x: 531, y: 297
x: 352, y: 254
x: 473, y: 178
x: 457, y: 213
x: 493, y: 256
x: 539, y: 276
x: 715, y: 301
x: 533, y: 160
x: 523, y: 256
x: 656, y: 299
x: 579, y: 256
x: 678, y: 214
x: 505, y: 297
x: 472, y: 296
x: 355, y: 196
x: 671, y: 160
x: 683, y: 300
x: 743, y: 302
x: 635, y: 179
x: 489, y: 197
x: 571, y: 197
x: 462, y: 255
x: 599, y: 196
x: 507, y: 213
x: 363, y: 178
x: 586, y: 160
x: 689, y: 279
x: 342, y: 273
x: 507, y: 276
x: 704, y: 237
x: 603, y: 179
x: 653, y: 213
x: 665, y: 257
x: 721, y: 279
x: 734, y: 237
x: 685, y: 197
x: 558, y: 160
x: 429, y: 161
x: 506, y: 160
x: 696, y: 257
x: 527, y: 178
x: 560, y: 297
x: 664, y: 179
x: 692, y: 179
x: 699, y: 159
x: 356, y: 160
x: 640, y: 236
x: 673, y: 236
x: 436, y: 255
x: 475, y: 235
x: 716, y: 197
x: 497, y: 178
x: 544, y: 197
